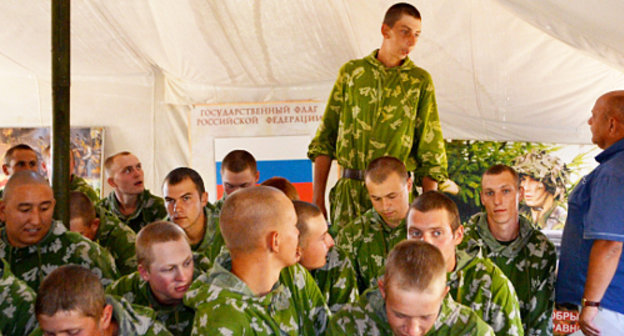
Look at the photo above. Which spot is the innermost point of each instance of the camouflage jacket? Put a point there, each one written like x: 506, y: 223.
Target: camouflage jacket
x: 77, y: 183
x: 529, y: 262
x: 369, y: 318
x: 552, y: 219
x: 367, y: 242
x: 131, y: 319
x: 177, y: 318
x: 17, y: 311
x: 58, y: 247
x: 212, y: 240
x: 374, y: 111
x: 337, y: 280
x: 477, y: 283
x: 150, y: 208
x: 118, y: 239
x: 226, y: 306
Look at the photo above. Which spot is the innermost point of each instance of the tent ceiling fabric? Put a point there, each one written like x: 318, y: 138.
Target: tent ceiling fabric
x: 503, y: 69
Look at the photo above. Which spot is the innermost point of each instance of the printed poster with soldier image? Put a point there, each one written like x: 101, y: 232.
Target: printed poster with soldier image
x: 86, y: 144
x: 548, y: 174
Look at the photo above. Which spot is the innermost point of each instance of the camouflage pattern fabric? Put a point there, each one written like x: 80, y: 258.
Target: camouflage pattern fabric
x: 131, y: 319
x: 529, y: 262
x: 337, y: 280
x: 17, y: 311
x: 369, y: 318
x: 226, y: 306
x: 178, y: 318
x: 118, y: 239
x: 150, y: 208
x: 58, y: 247
x: 367, y: 242
x: 479, y: 284
x: 545, y: 168
x: 552, y: 219
x: 77, y: 183
x: 374, y: 111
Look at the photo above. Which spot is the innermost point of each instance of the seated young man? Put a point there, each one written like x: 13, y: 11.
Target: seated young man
x: 16, y: 304
x: 33, y: 244
x: 129, y: 200
x: 521, y: 251
x: 474, y: 281
x: 71, y: 301
x: 370, y: 237
x: 165, y: 272
x: 412, y: 299
x: 260, y: 290
x: 102, y: 227
x: 238, y: 171
x: 20, y: 157
x: 330, y: 267
x: 187, y: 205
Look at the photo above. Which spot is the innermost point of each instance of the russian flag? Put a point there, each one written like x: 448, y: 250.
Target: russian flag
x: 283, y: 156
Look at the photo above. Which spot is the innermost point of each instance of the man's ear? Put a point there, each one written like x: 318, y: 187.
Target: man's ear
x: 382, y: 288
x: 273, y: 241
x: 257, y: 176
x: 143, y: 272
x: 410, y: 184
x: 385, y: 30
x: 203, y: 199
x: 107, y: 317
x: 111, y: 182
x: 5, y: 170
x: 458, y: 235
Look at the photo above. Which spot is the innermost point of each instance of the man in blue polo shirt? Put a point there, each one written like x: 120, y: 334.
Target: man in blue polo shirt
x: 591, y: 268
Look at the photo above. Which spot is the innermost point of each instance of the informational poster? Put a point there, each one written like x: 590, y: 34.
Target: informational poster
x: 277, y: 134
x: 86, y: 144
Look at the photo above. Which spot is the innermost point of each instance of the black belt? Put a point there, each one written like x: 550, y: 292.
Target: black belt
x: 353, y: 174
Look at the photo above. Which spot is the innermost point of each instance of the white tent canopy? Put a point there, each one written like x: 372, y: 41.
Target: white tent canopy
x: 503, y: 70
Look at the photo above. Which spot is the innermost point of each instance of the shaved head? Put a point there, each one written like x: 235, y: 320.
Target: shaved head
x: 23, y: 178
x: 615, y: 102
x: 249, y: 214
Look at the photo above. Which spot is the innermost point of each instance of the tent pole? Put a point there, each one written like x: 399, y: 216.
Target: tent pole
x: 60, y: 111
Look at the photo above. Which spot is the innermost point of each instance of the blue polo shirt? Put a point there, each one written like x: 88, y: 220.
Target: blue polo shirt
x: 595, y: 211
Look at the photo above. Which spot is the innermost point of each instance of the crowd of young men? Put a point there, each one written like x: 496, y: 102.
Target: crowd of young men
x: 261, y: 262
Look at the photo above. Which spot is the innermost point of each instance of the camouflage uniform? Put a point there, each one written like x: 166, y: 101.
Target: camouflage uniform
x: 529, y: 262
x: 211, y: 234
x: 58, y: 247
x: 226, y: 306
x: 77, y: 183
x: 17, y: 314
x: 131, y: 319
x: 337, y: 280
x: 118, y: 239
x: 552, y: 219
x: 479, y: 284
x: 150, y: 208
x: 367, y: 242
x: 178, y: 318
x: 375, y: 111
x: 368, y: 317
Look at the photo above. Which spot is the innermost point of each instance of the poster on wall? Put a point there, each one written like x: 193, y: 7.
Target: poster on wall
x: 276, y: 133
x: 86, y: 143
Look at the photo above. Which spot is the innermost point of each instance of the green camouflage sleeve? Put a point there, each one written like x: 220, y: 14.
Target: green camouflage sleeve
x: 429, y: 149
x: 353, y: 320
x: 17, y: 316
x: 80, y: 184
x: 221, y: 320
x: 324, y: 143
x: 101, y: 260
x: 337, y: 280
x: 127, y: 287
x: 539, y: 310
x: 119, y: 240
x: 316, y: 311
x: 505, y: 310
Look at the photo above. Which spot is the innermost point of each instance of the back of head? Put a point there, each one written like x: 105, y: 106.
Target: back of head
x: 110, y: 162
x: 305, y: 211
x: 498, y: 169
x: 615, y: 104
x: 8, y: 155
x: 380, y: 168
x: 24, y: 177
x: 80, y: 206
x: 436, y: 200
x: 248, y: 214
x: 414, y: 265
x: 396, y: 11
x: 239, y: 160
x: 71, y: 288
x: 181, y: 173
x: 154, y: 233
x: 284, y: 185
